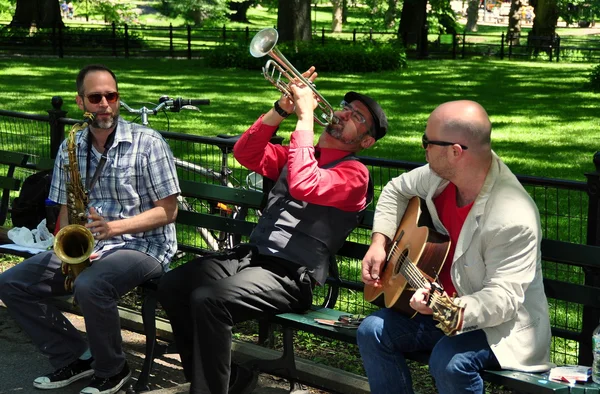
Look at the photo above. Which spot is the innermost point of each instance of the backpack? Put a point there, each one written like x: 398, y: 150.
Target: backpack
x: 29, y: 209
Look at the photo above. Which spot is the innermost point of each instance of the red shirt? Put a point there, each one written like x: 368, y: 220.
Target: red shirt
x: 453, y: 218
x: 343, y: 186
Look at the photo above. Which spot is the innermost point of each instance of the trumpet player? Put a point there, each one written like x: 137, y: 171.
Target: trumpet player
x: 132, y: 207
x: 319, y: 196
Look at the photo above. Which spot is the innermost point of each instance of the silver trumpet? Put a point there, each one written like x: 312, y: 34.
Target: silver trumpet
x: 263, y: 44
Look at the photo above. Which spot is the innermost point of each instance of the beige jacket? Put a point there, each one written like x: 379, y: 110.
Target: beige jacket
x: 497, y: 263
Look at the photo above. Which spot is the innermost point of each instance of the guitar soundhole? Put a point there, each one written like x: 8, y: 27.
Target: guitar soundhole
x: 401, y: 260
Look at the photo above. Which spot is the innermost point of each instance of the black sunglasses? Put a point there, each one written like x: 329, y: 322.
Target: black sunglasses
x: 111, y: 97
x: 425, y: 141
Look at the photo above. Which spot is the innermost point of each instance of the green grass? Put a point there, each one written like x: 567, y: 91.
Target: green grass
x: 544, y: 122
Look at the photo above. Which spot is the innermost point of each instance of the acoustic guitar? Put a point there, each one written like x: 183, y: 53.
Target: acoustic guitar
x: 414, y: 258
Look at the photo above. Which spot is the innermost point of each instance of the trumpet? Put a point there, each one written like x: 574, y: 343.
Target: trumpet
x: 275, y: 69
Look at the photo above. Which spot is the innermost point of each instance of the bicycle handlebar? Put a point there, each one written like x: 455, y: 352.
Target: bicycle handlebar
x: 165, y: 103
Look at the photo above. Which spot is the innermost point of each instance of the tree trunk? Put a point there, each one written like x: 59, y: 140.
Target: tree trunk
x: 336, y: 25
x: 293, y: 20
x: 543, y: 32
x: 344, y: 11
x: 413, y: 25
x: 546, y: 17
x: 240, y: 10
x: 513, y: 34
x: 42, y: 13
x: 391, y: 14
x: 472, y: 15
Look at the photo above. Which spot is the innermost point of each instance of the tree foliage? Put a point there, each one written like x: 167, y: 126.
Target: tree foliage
x: 198, y: 12
x: 112, y: 11
x: 7, y: 7
x: 574, y: 11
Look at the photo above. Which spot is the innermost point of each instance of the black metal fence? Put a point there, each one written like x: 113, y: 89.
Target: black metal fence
x: 190, y: 42
x: 569, y: 210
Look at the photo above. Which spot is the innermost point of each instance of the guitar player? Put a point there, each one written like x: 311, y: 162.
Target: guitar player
x: 492, y: 272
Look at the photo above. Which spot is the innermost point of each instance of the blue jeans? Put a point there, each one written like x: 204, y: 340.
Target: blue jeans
x: 385, y: 336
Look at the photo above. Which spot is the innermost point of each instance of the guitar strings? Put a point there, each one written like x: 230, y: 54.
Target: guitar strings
x: 416, y: 279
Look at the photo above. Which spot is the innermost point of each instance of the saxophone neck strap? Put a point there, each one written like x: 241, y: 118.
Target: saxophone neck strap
x: 107, y: 145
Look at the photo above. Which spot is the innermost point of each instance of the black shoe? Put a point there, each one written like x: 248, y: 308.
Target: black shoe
x: 242, y: 380
x: 110, y: 385
x: 64, y: 376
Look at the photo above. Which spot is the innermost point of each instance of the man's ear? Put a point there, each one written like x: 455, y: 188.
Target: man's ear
x: 367, y: 142
x: 79, y: 101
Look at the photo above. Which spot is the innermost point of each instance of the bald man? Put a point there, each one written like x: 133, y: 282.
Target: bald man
x: 493, y: 264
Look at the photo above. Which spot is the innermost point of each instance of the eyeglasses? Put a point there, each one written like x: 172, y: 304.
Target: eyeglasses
x: 356, y: 116
x: 96, y: 98
x: 425, y: 141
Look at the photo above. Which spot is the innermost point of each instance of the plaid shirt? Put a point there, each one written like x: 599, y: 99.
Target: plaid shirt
x: 138, y: 171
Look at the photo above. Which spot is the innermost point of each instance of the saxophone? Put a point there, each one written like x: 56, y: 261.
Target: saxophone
x: 74, y: 243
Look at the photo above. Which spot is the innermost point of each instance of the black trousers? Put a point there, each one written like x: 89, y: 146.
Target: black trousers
x: 205, y: 297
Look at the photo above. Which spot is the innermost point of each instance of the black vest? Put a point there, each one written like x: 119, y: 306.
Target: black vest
x: 303, y: 233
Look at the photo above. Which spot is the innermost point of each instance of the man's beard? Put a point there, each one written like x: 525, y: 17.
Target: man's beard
x: 104, y: 123
x: 336, y: 130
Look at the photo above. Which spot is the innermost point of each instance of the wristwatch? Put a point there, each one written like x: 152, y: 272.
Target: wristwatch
x: 280, y: 110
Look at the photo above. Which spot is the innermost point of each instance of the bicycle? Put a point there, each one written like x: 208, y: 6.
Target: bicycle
x: 215, y: 241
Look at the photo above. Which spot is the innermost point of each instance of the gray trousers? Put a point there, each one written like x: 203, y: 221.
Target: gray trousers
x: 27, y: 287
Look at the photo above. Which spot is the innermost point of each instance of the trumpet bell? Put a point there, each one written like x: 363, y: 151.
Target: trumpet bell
x: 263, y: 42
x: 280, y: 72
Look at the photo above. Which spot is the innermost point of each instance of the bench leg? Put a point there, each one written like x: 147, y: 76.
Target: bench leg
x: 149, y: 319
x: 284, y: 366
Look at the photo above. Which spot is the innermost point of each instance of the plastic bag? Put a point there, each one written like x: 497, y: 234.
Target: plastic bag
x: 39, y: 238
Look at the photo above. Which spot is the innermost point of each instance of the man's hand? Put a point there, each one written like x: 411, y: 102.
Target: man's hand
x: 372, y: 264
x: 98, y: 226
x: 287, y: 103
x: 419, y: 300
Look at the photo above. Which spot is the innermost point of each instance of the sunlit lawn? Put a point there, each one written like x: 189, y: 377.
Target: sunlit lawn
x: 545, y: 123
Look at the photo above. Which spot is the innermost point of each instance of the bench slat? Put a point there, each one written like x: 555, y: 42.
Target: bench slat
x: 215, y: 222
x: 9, y: 183
x: 526, y: 382
x: 14, y: 158
x: 571, y: 292
x: 306, y: 322
x: 243, y: 197
x: 570, y: 253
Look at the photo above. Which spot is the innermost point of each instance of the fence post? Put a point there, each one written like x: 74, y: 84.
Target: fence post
x: 224, y: 34
x: 592, y: 276
x: 60, y: 41
x: 557, y: 48
x: 463, y: 44
x: 114, y: 39
x: 322, y: 36
x: 593, y: 190
x: 354, y: 36
x: 510, y: 44
x: 502, y: 47
x: 57, y: 129
x: 189, y: 34
x: 454, y: 44
x: 247, y: 34
x: 171, y: 40
x: 126, y: 41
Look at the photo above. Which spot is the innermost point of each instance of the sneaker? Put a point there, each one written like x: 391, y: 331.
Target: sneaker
x: 110, y: 385
x: 64, y: 376
x: 242, y: 380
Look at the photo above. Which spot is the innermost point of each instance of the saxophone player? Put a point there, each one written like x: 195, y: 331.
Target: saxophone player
x: 131, y: 184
